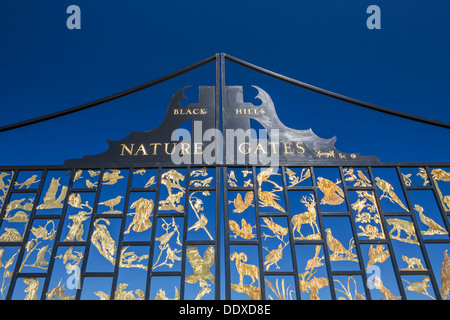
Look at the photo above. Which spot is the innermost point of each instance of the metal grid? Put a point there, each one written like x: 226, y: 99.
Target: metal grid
x: 47, y: 244
x: 342, y: 282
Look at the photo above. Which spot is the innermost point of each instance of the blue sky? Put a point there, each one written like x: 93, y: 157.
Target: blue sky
x: 45, y: 67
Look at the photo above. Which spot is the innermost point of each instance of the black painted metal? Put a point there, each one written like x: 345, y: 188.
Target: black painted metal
x: 231, y: 99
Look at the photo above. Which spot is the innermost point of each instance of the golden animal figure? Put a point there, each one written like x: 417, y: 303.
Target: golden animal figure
x: 76, y: 229
x: 232, y: 179
x: 58, y: 292
x: 111, y: 203
x: 333, y: 194
x: 420, y: 287
x: 278, y: 231
x: 200, y: 266
x: 388, y: 192
x: 50, y: 199
x: 90, y: 184
x: 294, y: 179
x: 31, y: 289
x: 102, y: 240
x: 131, y: 259
x: 151, y: 181
x: 197, y: 205
x: 245, y: 232
x: 121, y: 294
x: 445, y: 276
x: 10, y: 235
x: 161, y: 295
x: 141, y: 217
x: 314, y: 262
x: 387, y: 294
x: 413, y: 264
x: 93, y: 173
x: 245, y: 269
x: 313, y: 285
x: 400, y: 225
x: 442, y: 175
x: 268, y: 198
x: 307, y: 217
x: 433, y: 226
x: 27, y: 183
x: 377, y: 254
x: 242, y: 205
x: 110, y: 178
x: 246, y: 172
x: 273, y: 257
x: 338, y: 249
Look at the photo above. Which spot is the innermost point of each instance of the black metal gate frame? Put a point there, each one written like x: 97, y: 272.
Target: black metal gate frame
x: 387, y: 241
x: 120, y: 243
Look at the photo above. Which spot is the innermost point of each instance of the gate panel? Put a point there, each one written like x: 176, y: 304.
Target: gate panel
x: 110, y: 233
x: 347, y: 233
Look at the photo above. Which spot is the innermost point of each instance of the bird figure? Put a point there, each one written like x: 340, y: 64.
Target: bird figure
x: 269, y: 199
x: 245, y: 232
x: 31, y: 180
x: 242, y: 205
x: 40, y: 257
x: 388, y: 192
x: 150, y: 182
x: 387, y: 294
x: 377, y: 254
x: 273, y: 257
x: 315, y: 261
x: 102, y: 240
x: 333, y: 194
x: 246, y: 172
x: 337, y: 247
x: 200, y: 266
x: 201, y: 223
x: 75, y: 200
x: 78, y: 174
x: 434, y: 228
x: 111, y: 203
x: 90, y: 184
x: 365, y: 181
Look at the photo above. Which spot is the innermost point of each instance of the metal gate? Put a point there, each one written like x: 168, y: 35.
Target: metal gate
x: 285, y: 216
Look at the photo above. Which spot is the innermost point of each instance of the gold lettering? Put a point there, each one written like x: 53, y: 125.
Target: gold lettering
x: 196, y: 111
x: 286, y: 148
x: 185, y: 148
x: 202, y: 111
x: 262, y: 111
x: 299, y: 147
x: 173, y: 148
x: 238, y: 111
x: 259, y: 147
x: 274, y: 150
x: 240, y: 148
x: 196, y: 147
x: 125, y: 148
x: 155, y: 145
x: 142, y: 149
x: 175, y: 111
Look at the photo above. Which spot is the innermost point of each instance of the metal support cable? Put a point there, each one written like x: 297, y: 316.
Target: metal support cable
x: 337, y: 95
x: 106, y: 99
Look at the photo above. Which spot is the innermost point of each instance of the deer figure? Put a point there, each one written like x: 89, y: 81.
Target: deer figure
x: 307, y: 217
